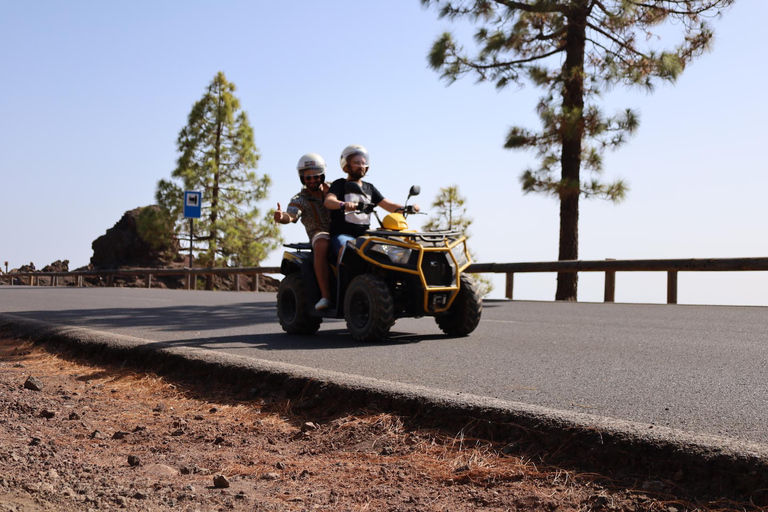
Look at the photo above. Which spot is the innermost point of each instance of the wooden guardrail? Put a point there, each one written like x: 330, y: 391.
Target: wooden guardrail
x: 189, y: 274
x: 610, y: 267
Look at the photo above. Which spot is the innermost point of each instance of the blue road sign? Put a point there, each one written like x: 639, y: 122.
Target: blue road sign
x: 192, y: 204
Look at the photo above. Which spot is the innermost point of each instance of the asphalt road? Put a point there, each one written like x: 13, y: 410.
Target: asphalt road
x: 699, y: 369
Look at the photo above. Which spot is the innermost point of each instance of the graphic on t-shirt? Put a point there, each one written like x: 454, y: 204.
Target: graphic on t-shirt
x: 357, y: 217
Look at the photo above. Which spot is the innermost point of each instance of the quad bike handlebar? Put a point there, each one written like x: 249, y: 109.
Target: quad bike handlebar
x: 365, y: 207
x: 369, y: 208
x: 408, y: 210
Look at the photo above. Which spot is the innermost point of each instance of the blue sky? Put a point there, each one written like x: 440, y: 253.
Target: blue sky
x: 94, y: 94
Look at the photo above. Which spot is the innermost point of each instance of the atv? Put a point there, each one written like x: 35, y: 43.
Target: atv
x: 388, y: 273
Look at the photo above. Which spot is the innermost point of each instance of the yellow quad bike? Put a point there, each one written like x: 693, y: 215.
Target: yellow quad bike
x: 386, y: 274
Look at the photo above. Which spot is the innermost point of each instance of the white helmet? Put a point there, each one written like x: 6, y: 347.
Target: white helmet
x: 310, y: 161
x: 354, y: 149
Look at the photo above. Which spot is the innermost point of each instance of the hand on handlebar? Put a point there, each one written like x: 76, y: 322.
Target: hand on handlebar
x: 411, y: 209
x: 365, y: 207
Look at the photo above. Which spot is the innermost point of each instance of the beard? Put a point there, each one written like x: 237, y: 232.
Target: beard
x: 314, y: 185
x: 357, y: 174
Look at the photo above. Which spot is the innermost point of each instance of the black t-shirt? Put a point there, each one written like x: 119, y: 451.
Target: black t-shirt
x: 353, y: 223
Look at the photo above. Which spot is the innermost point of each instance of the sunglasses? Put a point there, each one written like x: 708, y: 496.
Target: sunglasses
x: 314, y: 177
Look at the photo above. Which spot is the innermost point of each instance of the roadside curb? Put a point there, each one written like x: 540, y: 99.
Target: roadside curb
x: 688, y: 464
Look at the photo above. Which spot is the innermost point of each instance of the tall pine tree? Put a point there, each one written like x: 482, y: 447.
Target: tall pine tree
x: 574, y: 50
x: 218, y: 156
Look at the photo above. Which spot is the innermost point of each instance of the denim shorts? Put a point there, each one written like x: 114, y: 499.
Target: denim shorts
x: 339, y: 241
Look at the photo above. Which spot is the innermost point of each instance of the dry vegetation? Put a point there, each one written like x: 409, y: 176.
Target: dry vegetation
x: 104, y: 438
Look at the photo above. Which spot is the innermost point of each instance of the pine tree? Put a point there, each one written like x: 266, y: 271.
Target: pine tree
x: 451, y: 214
x: 574, y: 50
x: 218, y: 156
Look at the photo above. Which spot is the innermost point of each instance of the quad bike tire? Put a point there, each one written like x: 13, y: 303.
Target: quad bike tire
x: 369, y: 308
x: 292, y: 310
x: 464, y: 314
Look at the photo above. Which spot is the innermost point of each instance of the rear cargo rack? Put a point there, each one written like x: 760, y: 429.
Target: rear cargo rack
x: 301, y: 246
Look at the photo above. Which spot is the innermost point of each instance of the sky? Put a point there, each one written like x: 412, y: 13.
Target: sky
x: 94, y: 95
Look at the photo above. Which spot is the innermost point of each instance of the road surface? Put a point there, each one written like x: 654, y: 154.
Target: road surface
x: 698, y: 369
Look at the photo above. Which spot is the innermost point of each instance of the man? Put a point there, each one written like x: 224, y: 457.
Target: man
x: 308, y: 205
x: 347, y: 223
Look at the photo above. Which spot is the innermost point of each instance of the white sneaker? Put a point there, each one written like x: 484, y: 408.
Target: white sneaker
x: 323, y: 304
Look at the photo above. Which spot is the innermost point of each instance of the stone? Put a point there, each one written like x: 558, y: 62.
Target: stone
x: 220, y: 482
x: 33, y: 383
x: 653, y: 486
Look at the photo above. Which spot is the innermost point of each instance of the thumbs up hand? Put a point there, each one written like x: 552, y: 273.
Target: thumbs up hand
x: 278, y: 214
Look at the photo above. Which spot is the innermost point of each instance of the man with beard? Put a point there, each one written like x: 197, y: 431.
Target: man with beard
x: 308, y: 205
x: 347, y: 223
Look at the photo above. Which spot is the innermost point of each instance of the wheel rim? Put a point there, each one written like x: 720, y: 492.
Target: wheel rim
x: 360, y: 310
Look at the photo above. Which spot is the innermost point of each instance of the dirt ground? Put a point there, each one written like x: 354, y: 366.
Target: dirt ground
x: 75, y: 436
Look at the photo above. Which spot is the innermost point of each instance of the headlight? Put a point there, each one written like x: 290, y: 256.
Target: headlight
x: 397, y: 254
x: 459, y: 252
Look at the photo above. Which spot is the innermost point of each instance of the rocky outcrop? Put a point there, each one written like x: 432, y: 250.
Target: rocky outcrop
x: 122, y: 246
x: 57, y: 266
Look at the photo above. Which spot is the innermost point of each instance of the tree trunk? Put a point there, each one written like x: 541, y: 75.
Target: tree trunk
x: 572, y: 132
x: 214, y: 242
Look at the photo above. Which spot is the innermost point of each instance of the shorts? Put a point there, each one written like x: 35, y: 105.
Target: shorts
x: 322, y: 235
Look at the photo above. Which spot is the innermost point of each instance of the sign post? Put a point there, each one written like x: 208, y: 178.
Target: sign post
x: 192, y: 210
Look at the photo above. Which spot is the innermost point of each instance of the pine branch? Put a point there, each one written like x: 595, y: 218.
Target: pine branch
x: 713, y: 4
x: 511, y: 63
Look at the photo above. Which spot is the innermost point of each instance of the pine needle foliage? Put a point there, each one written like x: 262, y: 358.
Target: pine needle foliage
x: 574, y: 50
x: 218, y: 156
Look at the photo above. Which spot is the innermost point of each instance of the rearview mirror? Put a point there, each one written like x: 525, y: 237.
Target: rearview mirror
x: 415, y: 190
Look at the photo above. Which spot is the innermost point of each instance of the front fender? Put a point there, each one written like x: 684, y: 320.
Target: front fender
x: 295, y: 262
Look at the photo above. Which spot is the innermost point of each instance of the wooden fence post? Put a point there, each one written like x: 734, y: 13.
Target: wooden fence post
x: 610, y: 284
x: 236, y: 284
x: 509, y: 285
x: 255, y: 283
x: 149, y: 280
x: 610, y: 287
x: 672, y: 287
x: 110, y: 279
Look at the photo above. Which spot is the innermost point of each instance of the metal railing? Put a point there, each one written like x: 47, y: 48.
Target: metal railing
x: 671, y: 266
x: 190, y: 275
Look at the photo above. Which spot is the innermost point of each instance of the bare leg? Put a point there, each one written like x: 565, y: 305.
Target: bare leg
x: 320, y: 248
